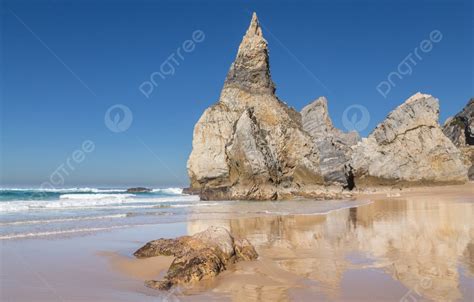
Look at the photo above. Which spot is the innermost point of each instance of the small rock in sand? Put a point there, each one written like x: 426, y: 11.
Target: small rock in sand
x: 201, y: 256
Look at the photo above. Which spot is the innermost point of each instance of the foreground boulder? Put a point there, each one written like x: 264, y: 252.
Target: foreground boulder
x: 333, y: 145
x: 460, y: 130
x: 409, y: 147
x: 251, y: 145
x: 201, y: 256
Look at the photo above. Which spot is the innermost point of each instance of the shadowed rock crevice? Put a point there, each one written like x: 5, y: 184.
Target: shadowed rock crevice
x: 460, y: 130
x: 334, y: 146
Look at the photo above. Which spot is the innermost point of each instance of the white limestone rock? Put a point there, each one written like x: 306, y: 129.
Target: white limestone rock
x: 409, y: 147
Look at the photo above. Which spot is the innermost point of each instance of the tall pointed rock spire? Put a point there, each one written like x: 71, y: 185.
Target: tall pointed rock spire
x: 251, y: 69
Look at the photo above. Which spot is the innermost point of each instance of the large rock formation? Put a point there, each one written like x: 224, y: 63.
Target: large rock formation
x: 334, y: 146
x: 460, y: 130
x: 409, y: 147
x: 250, y: 145
x: 201, y: 256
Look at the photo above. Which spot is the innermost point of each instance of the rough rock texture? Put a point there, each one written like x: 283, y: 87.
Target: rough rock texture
x: 250, y: 145
x: 334, y: 146
x: 468, y: 152
x: 460, y: 130
x: 409, y: 147
x: 203, y: 255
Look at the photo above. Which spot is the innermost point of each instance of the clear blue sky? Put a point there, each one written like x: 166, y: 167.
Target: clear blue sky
x: 53, y: 50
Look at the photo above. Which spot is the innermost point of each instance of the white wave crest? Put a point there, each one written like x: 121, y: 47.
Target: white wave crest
x: 59, y: 220
x: 65, y: 232
x: 170, y: 191
x: 81, y: 203
x: 65, y: 190
x: 95, y: 196
x: 193, y: 205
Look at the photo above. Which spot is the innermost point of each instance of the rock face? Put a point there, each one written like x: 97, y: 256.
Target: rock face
x: 409, y: 147
x: 202, y: 256
x: 333, y: 145
x: 250, y: 145
x: 460, y: 130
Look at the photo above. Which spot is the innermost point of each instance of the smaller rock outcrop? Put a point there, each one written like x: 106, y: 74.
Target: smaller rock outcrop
x: 334, y: 146
x: 460, y: 130
x: 191, y: 191
x: 201, y: 256
x: 409, y: 147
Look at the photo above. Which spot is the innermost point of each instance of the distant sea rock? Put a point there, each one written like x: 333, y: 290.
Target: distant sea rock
x: 460, y: 130
x: 409, y: 147
x: 250, y: 145
x: 138, y: 190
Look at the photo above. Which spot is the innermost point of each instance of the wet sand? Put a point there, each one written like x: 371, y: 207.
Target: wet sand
x: 142, y: 269
x: 416, y: 245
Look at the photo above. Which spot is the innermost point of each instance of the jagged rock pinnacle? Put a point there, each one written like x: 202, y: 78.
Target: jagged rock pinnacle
x: 251, y: 69
x: 254, y: 28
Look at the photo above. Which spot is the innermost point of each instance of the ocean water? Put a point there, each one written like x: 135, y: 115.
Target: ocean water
x: 29, y: 213
x: 33, y: 213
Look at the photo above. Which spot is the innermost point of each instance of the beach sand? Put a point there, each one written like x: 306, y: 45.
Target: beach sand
x: 406, y: 245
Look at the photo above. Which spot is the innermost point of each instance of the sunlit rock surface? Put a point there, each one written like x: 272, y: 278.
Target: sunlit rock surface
x: 201, y: 256
x: 409, y: 146
x: 250, y: 145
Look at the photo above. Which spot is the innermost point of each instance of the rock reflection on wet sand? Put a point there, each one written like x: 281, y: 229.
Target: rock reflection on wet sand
x: 411, y: 248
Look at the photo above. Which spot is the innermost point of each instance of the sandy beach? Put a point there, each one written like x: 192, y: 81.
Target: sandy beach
x: 417, y: 245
